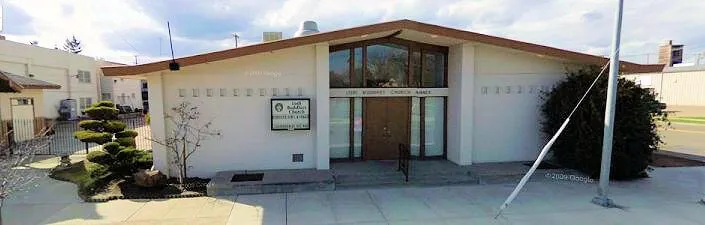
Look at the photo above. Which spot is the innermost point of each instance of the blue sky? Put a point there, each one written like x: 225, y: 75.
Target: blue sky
x: 117, y: 30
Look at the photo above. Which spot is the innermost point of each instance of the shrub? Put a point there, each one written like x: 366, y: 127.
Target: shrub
x: 130, y: 160
x: 94, y: 125
x: 114, y: 126
x: 97, y: 171
x: 102, y: 113
x: 126, y: 133
x: 112, y: 147
x: 580, y: 144
x: 108, y: 104
x: 93, y: 137
x: 99, y: 157
x: 126, y: 141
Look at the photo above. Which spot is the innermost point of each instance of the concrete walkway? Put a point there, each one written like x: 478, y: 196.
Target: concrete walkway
x: 669, y: 197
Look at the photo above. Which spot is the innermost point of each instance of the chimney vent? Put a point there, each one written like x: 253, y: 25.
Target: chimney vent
x: 670, y: 54
x: 271, y: 36
x: 306, y: 28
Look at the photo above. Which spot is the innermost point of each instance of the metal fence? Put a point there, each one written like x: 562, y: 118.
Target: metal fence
x: 64, y: 143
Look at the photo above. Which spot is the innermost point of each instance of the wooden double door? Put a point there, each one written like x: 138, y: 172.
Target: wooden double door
x: 386, y: 125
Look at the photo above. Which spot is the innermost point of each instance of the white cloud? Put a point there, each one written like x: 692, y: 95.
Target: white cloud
x: 580, y: 25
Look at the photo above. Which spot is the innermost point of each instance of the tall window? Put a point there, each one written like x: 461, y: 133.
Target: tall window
x: 387, y: 66
x: 395, y: 63
x: 339, y: 63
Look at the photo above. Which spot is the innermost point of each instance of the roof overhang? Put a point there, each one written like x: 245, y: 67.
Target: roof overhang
x: 15, y: 83
x: 407, y: 29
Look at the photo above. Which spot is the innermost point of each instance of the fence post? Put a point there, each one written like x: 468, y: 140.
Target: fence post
x: 86, y: 147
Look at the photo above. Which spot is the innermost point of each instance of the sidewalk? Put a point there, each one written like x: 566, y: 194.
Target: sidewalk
x: 669, y: 197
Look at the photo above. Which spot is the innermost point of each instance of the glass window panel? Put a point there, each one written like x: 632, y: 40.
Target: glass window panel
x: 433, y: 69
x: 357, y: 150
x: 415, y: 69
x: 415, y: 126
x: 387, y: 66
x: 357, y: 79
x: 339, y: 128
x: 434, y: 126
x: 339, y: 63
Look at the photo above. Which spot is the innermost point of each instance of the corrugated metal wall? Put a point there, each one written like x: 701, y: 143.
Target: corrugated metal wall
x: 675, y: 88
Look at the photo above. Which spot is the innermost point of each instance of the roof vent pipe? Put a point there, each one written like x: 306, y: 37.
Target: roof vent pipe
x: 306, y: 28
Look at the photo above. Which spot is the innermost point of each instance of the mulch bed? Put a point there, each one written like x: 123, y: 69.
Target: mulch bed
x: 661, y: 160
x: 127, y: 189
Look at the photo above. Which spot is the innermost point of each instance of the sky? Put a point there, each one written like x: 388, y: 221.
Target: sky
x: 126, y: 31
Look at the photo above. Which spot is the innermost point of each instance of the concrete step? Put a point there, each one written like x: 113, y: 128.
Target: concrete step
x: 273, y: 181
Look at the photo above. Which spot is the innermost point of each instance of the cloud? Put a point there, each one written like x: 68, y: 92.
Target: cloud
x: 120, y: 29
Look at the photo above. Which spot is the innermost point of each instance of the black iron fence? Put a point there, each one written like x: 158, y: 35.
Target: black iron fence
x: 64, y: 143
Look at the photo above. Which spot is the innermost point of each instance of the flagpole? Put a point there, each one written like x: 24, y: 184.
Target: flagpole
x: 602, y: 198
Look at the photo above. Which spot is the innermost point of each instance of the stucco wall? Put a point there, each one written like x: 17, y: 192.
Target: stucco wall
x: 131, y: 89
x: 507, y: 100
x: 5, y: 106
x: 247, y: 142
x: 51, y: 65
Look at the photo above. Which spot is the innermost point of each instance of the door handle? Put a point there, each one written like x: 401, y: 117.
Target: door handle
x: 386, y: 132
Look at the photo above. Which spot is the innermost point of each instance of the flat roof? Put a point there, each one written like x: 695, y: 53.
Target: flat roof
x: 371, y: 29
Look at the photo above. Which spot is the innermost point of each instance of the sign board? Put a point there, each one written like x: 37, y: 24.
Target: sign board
x: 291, y: 114
x: 388, y: 92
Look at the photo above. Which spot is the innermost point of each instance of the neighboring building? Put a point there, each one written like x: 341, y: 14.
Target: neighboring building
x: 678, y: 85
x: 121, y: 91
x: 675, y: 86
x: 35, y: 80
x: 22, y: 105
x: 78, y: 75
x: 358, y: 93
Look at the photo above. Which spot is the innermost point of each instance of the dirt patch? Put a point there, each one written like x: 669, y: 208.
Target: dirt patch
x: 661, y: 160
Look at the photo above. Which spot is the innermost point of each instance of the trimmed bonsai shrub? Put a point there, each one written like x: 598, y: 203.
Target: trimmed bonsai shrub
x: 580, y: 145
x: 118, y: 155
x: 100, y: 157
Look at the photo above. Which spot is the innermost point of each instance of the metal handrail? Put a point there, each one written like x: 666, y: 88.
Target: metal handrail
x: 404, y: 159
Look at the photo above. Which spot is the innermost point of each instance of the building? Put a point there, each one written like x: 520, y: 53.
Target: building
x: 34, y: 81
x: 678, y: 84
x: 78, y: 75
x: 679, y: 87
x: 121, y: 91
x: 22, y: 105
x: 358, y: 93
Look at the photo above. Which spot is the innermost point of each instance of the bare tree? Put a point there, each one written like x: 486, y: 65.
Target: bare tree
x: 15, y: 173
x: 185, y: 136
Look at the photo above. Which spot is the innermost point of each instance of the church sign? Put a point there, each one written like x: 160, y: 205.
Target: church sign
x: 291, y: 114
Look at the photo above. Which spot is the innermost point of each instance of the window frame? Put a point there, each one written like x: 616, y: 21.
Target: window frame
x: 411, y: 46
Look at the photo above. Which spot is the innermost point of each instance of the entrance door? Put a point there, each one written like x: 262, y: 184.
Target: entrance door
x: 386, y: 126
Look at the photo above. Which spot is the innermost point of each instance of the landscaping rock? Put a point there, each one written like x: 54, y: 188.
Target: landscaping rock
x: 150, y: 178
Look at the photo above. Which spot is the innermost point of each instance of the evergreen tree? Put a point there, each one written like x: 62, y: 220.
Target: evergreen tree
x: 73, y: 45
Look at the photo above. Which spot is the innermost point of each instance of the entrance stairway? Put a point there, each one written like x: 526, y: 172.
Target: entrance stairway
x: 384, y: 173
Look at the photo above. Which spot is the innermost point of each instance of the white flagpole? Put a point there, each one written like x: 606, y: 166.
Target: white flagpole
x: 602, y: 191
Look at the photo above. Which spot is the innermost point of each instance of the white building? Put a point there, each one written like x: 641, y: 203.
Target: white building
x: 121, y: 91
x: 358, y: 93
x: 34, y: 80
x: 78, y: 75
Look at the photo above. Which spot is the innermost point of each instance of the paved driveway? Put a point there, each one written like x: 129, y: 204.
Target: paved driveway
x: 669, y: 197
x: 684, y: 138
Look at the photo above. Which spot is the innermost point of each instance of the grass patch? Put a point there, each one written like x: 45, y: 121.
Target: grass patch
x: 85, y: 175
x: 695, y: 120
